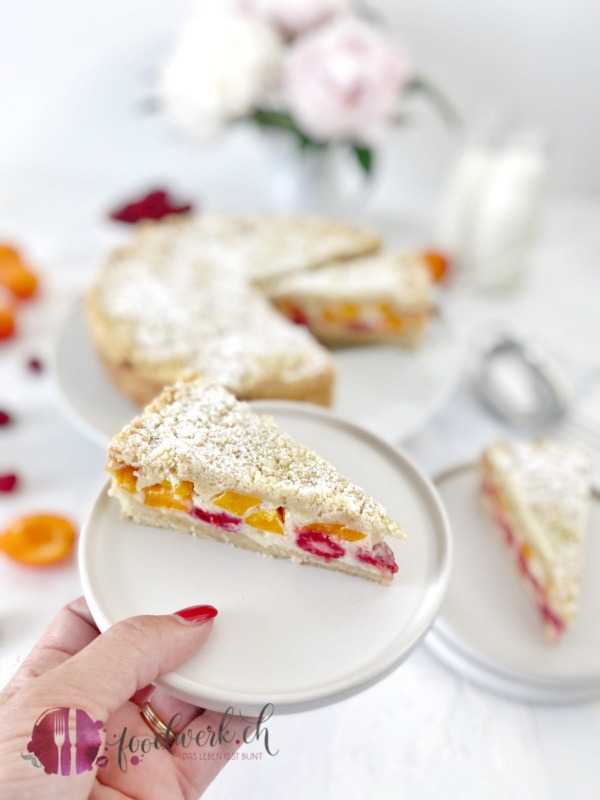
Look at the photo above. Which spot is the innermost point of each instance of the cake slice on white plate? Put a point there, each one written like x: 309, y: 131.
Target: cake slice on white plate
x: 381, y: 298
x: 199, y: 461
x: 537, y: 493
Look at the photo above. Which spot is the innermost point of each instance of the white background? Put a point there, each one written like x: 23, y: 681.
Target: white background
x: 72, y: 75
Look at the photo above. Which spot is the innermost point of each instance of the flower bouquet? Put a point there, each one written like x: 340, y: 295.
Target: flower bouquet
x: 314, y: 69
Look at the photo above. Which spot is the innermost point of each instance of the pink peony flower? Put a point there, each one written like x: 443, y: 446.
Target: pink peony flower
x: 344, y: 81
x: 292, y: 17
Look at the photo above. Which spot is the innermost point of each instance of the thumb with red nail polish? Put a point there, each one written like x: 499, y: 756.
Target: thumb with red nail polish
x: 197, y: 614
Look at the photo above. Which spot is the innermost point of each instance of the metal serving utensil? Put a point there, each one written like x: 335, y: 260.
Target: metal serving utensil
x: 520, y: 383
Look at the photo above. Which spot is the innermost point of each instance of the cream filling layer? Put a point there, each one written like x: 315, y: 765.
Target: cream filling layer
x: 530, y: 567
x: 375, y: 318
x: 296, y: 536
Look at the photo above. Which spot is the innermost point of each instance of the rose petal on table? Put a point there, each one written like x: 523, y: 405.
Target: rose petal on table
x: 155, y: 205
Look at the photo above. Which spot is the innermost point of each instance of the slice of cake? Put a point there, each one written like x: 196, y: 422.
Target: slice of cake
x: 382, y: 298
x: 199, y: 461
x: 537, y: 493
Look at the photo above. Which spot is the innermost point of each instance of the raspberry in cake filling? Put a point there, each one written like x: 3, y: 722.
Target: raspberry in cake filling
x: 199, y: 461
x: 238, y: 514
x: 384, y: 298
x: 537, y: 494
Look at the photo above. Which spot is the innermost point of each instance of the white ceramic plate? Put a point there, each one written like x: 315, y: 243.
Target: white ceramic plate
x: 295, y: 636
x: 391, y: 391
x: 489, y: 630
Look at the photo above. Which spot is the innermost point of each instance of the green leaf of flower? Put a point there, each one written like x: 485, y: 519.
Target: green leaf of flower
x: 442, y: 104
x: 273, y: 118
x: 364, y: 156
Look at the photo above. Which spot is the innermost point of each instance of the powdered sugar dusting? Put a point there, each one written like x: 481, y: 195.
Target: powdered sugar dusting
x: 550, y: 478
x: 260, y: 247
x: 197, y: 431
x: 403, y: 279
x: 179, y: 295
x: 543, y: 489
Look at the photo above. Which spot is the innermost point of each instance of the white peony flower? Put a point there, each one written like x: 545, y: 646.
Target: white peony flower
x: 344, y: 81
x: 220, y: 68
x: 292, y: 17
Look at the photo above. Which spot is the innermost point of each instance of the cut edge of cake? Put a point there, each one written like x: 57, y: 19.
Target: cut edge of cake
x: 382, y: 298
x: 537, y: 494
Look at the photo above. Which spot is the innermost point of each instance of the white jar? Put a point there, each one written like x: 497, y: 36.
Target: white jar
x: 492, y: 208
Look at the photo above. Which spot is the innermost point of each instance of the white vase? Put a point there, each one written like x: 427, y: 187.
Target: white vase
x: 327, y: 181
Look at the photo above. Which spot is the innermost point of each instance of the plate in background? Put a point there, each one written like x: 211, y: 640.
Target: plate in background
x: 488, y: 628
x: 308, y: 636
x: 389, y: 390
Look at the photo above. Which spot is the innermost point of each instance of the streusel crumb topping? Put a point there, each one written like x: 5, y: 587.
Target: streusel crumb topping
x: 197, y: 431
x: 401, y: 278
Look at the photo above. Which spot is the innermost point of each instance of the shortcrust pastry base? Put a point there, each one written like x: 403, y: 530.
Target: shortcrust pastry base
x: 142, y: 389
x: 155, y: 517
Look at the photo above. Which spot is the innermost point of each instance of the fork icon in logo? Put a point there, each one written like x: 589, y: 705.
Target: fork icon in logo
x: 59, y: 738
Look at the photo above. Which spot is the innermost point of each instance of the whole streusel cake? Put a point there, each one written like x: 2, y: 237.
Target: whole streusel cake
x: 199, y: 461
x: 185, y: 294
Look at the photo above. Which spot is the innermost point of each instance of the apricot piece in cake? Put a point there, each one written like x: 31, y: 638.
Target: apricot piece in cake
x: 160, y: 495
x: 392, y: 319
x: 184, y: 491
x: 236, y: 503
x: 335, y: 529
x: 125, y: 478
x: 341, y: 313
x: 269, y: 519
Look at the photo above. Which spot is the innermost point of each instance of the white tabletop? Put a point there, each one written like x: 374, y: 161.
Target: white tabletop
x: 421, y: 733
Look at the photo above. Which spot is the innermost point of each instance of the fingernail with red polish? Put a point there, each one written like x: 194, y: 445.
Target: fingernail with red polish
x: 197, y: 614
